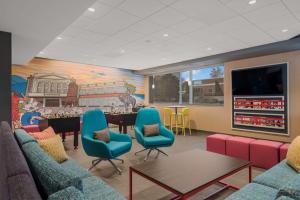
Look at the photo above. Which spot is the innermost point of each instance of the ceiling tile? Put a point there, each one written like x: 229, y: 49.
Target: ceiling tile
x: 111, y: 2
x: 167, y: 17
x: 168, y: 2
x: 83, y: 22
x: 187, y: 26
x: 113, y: 22
x: 242, y: 6
x: 207, y: 11
x: 141, y: 8
x: 293, y: 6
x: 145, y: 27
x: 100, y: 10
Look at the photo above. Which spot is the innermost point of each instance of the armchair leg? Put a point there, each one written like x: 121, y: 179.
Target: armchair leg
x: 148, y: 154
x: 119, y: 160
x: 140, y: 151
x: 115, y: 166
x: 160, y: 151
x: 94, y: 163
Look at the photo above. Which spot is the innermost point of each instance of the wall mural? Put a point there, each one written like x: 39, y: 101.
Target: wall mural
x: 50, y: 87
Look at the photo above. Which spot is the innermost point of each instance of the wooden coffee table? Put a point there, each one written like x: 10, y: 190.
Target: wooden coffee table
x: 188, y: 173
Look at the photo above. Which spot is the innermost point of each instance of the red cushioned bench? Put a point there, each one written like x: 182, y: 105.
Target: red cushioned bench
x: 283, y: 151
x: 217, y: 143
x: 264, y: 153
x: 238, y: 147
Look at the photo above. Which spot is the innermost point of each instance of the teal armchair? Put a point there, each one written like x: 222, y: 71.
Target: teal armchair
x: 148, y: 116
x: 119, y: 144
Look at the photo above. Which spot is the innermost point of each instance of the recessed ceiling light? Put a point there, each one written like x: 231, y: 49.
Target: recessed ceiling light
x: 92, y: 9
x: 59, y: 38
x: 209, y: 49
x: 42, y: 52
x: 251, y: 2
x: 284, y: 30
x: 166, y: 35
x: 122, y: 51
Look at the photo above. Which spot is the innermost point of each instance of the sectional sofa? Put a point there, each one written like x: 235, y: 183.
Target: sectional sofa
x: 281, y: 182
x: 29, y: 173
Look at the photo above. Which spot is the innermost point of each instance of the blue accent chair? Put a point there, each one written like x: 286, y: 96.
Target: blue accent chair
x: 148, y: 116
x: 119, y: 144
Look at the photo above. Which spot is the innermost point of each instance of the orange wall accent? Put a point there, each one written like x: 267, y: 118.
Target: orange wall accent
x: 218, y: 118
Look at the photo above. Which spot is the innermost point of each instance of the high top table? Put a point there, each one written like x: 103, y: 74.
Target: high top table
x: 176, y: 107
x: 188, y: 173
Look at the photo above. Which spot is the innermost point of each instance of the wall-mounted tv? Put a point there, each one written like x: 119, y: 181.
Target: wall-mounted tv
x: 266, y: 80
x: 260, y: 99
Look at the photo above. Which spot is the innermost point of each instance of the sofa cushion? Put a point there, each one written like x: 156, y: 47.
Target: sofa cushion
x: 51, y: 176
x: 23, y: 137
x: 75, y: 169
x: 54, y: 147
x: 254, y: 191
x: 291, y: 189
x: 277, y: 176
x: 157, y: 141
x: 70, y: 193
x: 95, y: 189
x: 217, y: 143
x: 22, y: 187
x: 117, y: 148
x: 284, y: 198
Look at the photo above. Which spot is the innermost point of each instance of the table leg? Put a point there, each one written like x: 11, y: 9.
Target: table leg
x: 120, y: 128
x: 250, y: 173
x: 130, y: 184
x: 125, y: 129
x: 75, y: 139
x: 63, y: 135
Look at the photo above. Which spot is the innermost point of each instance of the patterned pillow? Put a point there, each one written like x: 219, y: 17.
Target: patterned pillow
x: 45, y: 134
x: 102, y: 135
x: 293, y: 154
x: 54, y: 148
x: 151, y: 130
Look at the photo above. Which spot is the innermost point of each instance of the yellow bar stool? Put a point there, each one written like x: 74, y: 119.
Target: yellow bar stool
x: 183, y: 121
x: 168, y: 118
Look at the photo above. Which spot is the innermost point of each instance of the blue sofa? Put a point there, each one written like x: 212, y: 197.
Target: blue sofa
x: 64, y: 181
x: 281, y: 182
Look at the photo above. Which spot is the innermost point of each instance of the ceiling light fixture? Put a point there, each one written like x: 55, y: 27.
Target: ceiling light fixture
x: 252, y: 2
x: 284, y: 30
x: 42, y: 52
x: 166, y: 35
x: 59, y: 38
x: 92, y: 9
x: 209, y: 49
x: 122, y: 51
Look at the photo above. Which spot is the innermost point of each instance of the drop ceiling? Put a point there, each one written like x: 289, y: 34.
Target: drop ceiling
x: 141, y: 34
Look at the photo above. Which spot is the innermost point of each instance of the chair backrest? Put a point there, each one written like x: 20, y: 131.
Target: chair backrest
x: 168, y: 112
x: 185, y: 111
x: 147, y: 116
x: 93, y: 120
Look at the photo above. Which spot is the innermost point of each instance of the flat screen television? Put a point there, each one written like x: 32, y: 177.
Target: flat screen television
x: 260, y: 81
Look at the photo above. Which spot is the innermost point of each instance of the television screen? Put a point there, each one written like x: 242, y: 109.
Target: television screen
x: 259, y: 81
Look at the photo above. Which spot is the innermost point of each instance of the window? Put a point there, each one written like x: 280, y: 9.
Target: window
x: 164, y: 88
x: 201, y: 86
x: 208, y: 85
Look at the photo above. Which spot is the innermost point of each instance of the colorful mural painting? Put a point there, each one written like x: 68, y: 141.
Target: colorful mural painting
x: 45, y: 87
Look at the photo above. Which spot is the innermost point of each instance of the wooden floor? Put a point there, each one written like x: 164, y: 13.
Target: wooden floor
x: 143, y: 189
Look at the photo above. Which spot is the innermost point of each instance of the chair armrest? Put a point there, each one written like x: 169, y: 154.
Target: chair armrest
x: 166, y: 132
x: 96, y: 148
x: 139, y: 135
x: 119, y: 137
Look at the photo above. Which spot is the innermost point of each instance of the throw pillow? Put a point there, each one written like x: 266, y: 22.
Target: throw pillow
x: 293, y: 154
x: 54, y: 147
x: 45, y: 134
x: 151, y: 130
x: 102, y: 135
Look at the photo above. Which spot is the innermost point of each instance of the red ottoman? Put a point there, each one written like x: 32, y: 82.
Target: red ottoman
x: 283, y: 151
x: 217, y: 143
x: 31, y: 128
x: 238, y: 147
x: 264, y: 153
